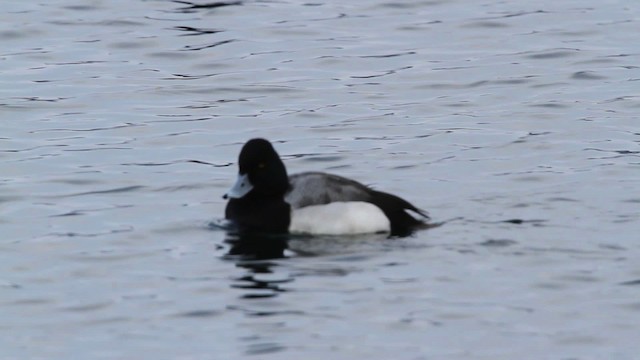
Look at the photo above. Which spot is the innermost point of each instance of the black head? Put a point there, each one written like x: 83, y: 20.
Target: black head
x: 265, y: 171
x: 256, y: 201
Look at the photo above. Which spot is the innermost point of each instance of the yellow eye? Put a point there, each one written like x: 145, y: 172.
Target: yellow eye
x: 261, y: 165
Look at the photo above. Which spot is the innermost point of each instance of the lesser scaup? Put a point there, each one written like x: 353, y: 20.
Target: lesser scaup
x: 265, y: 199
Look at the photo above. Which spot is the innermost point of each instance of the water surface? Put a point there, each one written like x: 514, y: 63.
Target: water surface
x: 121, y: 124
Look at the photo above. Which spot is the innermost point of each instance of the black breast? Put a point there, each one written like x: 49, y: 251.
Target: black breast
x: 259, y: 215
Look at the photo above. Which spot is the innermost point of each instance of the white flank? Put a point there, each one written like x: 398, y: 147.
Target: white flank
x: 339, y: 218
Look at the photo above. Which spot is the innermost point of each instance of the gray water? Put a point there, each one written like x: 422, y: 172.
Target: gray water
x: 121, y: 122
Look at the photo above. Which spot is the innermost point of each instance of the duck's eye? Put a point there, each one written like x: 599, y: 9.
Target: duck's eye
x: 261, y: 165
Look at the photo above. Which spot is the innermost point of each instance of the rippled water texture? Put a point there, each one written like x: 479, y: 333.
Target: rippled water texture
x: 121, y: 122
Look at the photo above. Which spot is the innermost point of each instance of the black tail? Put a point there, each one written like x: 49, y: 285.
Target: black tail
x: 395, y: 208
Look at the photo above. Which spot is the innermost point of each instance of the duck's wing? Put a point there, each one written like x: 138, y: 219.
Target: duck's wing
x: 316, y: 188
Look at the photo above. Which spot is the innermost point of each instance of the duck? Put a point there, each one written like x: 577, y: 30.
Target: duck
x: 265, y: 199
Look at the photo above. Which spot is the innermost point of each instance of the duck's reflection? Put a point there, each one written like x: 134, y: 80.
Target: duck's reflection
x: 245, y: 246
x: 251, y: 246
x: 264, y: 256
x: 258, y: 253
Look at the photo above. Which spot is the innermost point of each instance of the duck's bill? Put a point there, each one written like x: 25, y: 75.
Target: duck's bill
x: 240, y: 188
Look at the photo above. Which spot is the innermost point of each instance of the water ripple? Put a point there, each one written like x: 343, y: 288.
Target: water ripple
x: 115, y: 190
x: 517, y: 123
